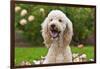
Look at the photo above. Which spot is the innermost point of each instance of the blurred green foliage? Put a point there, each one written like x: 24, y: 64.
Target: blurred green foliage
x: 82, y: 19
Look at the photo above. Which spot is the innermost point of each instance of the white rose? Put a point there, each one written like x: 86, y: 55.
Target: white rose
x: 31, y: 18
x: 75, y: 55
x: 17, y: 8
x: 23, y: 21
x: 83, y: 56
x: 76, y: 59
x: 23, y: 12
x: 91, y: 59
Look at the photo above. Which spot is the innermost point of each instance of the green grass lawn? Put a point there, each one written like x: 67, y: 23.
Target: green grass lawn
x: 89, y: 51
x: 35, y: 53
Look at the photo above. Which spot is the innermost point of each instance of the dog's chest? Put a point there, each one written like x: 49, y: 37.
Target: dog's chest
x: 58, y: 53
x: 59, y: 58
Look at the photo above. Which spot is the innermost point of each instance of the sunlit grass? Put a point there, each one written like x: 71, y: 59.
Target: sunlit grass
x: 35, y: 53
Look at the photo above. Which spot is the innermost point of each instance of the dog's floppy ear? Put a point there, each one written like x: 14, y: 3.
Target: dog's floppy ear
x: 68, y: 33
x: 45, y: 33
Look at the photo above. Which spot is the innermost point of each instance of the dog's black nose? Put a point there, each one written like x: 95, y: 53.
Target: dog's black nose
x: 53, y: 25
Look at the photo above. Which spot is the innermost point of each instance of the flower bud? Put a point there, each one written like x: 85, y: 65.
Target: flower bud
x: 41, y: 9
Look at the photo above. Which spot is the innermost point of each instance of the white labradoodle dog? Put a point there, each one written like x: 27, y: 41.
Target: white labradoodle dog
x: 57, y: 33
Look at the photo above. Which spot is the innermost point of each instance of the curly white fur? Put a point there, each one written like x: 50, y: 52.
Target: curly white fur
x: 57, y: 33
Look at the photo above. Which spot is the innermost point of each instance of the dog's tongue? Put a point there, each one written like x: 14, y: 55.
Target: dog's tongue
x: 54, y: 34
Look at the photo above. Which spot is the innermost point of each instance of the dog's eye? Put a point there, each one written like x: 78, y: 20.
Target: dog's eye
x: 60, y: 20
x: 51, y: 19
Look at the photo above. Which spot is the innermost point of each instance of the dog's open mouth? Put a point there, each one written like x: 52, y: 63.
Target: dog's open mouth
x: 54, y: 33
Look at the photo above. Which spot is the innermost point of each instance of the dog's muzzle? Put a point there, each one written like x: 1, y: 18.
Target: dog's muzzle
x: 54, y: 32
